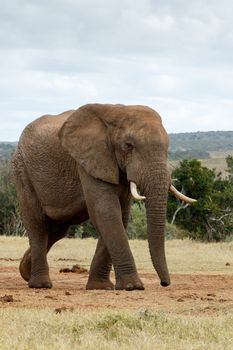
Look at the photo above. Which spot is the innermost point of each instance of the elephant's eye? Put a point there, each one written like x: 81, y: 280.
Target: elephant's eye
x: 127, y: 146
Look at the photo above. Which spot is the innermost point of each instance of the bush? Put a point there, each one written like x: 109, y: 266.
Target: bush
x: 175, y: 232
x: 137, y: 223
x: 211, y: 218
x: 84, y: 230
x: 10, y: 219
x: 137, y: 227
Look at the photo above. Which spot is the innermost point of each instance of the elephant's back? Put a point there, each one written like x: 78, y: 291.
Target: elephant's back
x: 41, y: 136
x: 43, y: 127
x: 39, y: 143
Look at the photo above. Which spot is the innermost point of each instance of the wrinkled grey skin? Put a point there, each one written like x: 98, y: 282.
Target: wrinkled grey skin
x: 78, y: 165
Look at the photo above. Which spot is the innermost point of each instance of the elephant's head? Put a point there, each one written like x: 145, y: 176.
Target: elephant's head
x: 107, y: 139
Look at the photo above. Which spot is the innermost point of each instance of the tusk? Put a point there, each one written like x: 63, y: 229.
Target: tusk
x: 181, y: 196
x: 134, y: 191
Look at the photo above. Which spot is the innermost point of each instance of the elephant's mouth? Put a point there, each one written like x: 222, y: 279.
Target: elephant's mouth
x: 172, y: 189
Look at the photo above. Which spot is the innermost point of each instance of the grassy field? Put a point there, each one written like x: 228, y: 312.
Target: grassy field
x: 212, y: 163
x: 216, y: 161
x: 186, y: 326
x: 184, y: 256
x: 43, y: 329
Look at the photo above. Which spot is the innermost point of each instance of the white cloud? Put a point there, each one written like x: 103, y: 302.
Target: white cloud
x: 175, y: 56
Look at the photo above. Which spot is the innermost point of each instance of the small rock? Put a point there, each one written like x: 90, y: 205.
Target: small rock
x: 65, y: 270
x: 67, y: 293
x: 49, y: 297
x: 59, y: 310
x: 78, y: 269
x: 221, y: 300
x: 228, y: 264
x: 75, y: 269
x: 180, y: 300
x: 7, y: 298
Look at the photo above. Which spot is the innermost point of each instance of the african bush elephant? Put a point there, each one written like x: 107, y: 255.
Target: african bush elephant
x: 81, y: 164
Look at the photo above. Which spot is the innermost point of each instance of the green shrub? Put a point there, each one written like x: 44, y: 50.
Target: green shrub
x: 137, y: 223
x: 84, y: 230
x: 175, y: 232
x: 10, y: 219
x: 137, y: 227
x: 211, y: 217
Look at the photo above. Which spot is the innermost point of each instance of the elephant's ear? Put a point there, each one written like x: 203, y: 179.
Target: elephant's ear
x: 84, y: 136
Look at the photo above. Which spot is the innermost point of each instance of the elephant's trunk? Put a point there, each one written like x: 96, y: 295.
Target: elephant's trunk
x: 156, y: 192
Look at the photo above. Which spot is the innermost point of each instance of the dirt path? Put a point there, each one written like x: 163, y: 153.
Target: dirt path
x: 188, y: 293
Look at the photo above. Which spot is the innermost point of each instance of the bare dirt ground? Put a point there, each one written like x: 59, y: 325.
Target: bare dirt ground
x: 189, y: 293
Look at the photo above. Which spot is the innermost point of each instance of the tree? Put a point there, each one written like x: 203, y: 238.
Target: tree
x: 211, y: 217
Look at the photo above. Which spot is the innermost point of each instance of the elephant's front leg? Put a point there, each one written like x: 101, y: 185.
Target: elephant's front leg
x: 101, y: 265
x: 105, y: 212
x: 99, y: 275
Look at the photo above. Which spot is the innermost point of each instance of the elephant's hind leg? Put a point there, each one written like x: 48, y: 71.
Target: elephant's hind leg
x: 36, y: 224
x: 57, y: 232
x: 37, y: 258
x: 25, y: 265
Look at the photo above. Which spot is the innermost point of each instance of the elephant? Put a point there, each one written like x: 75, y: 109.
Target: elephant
x: 88, y: 163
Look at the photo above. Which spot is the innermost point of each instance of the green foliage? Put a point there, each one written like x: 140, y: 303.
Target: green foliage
x: 229, y: 160
x: 211, y: 217
x: 84, y: 230
x: 175, y: 232
x: 137, y: 223
x: 10, y: 221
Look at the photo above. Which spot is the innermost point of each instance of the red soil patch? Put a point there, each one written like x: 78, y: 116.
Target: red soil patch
x: 188, y: 293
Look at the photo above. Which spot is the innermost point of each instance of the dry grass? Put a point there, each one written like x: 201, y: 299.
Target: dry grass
x: 184, y: 256
x: 43, y: 329
x: 216, y: 161
x: 220, y: 154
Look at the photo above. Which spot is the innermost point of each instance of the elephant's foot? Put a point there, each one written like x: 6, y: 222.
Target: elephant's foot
x: 25, y: 266
x: 40, y: 282
x: 129, y: 282
x: 100, y: 284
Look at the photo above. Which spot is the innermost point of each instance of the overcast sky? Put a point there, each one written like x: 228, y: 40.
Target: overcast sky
x: 173, y: 55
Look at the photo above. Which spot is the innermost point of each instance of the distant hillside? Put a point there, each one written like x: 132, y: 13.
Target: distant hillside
x: 199, y: 144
